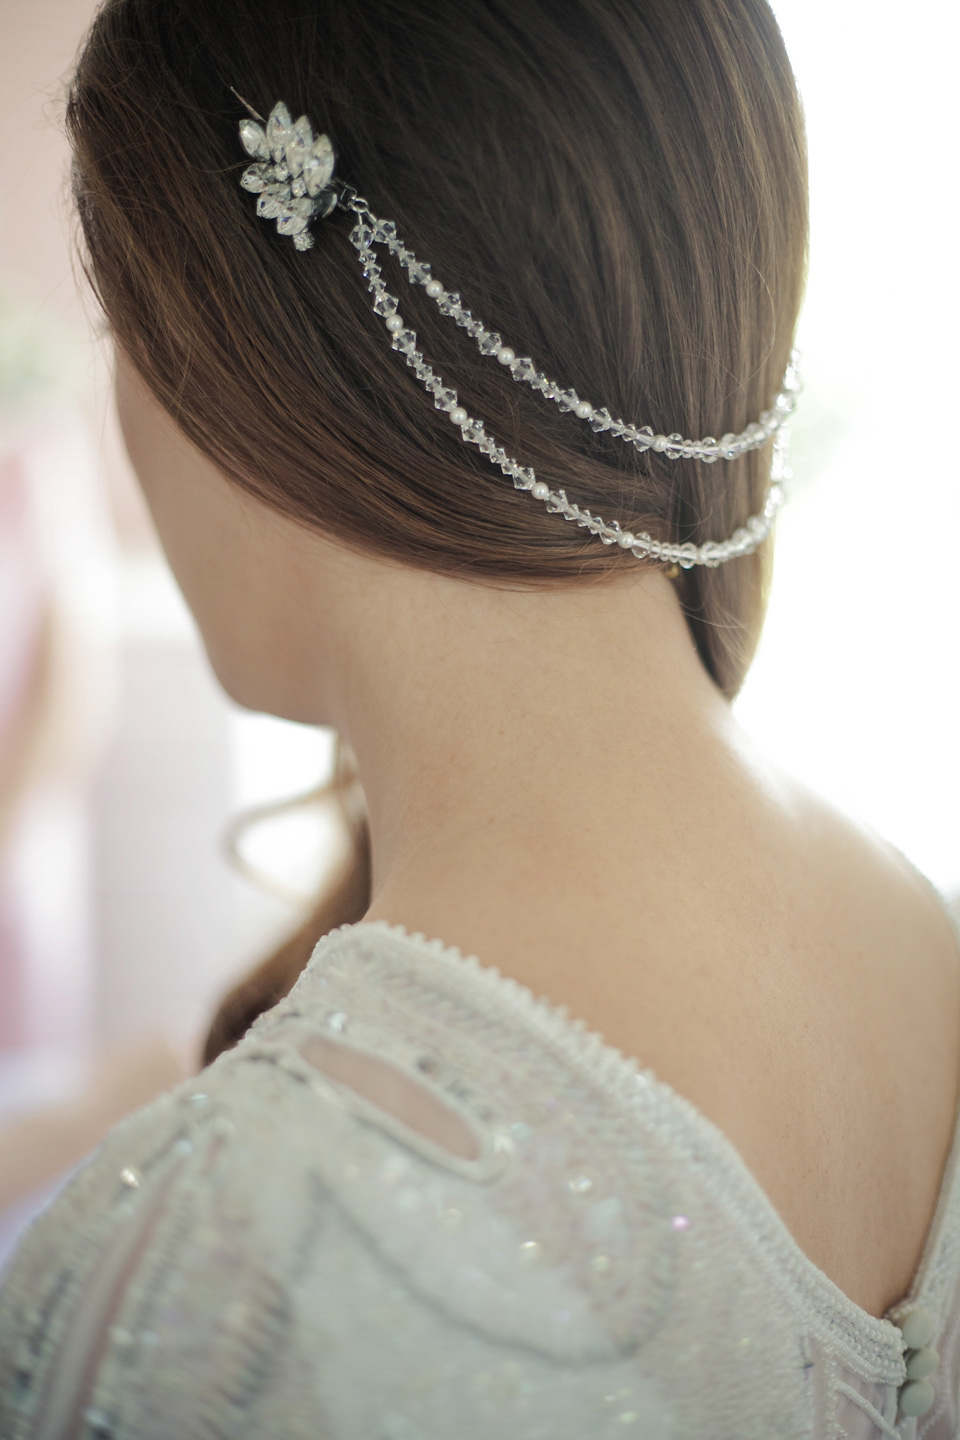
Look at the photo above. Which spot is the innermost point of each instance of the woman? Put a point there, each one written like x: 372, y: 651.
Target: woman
x: 414, y: 1201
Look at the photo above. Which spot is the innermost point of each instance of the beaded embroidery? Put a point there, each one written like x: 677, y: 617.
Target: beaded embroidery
x: 610, y: 1267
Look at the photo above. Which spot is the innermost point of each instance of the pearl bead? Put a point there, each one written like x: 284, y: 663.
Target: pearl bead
x: 627, y: 540
x: 922, y: 1363
x: 458, y: 415
x: 540, y: 491
x: 394, y: 323
x: 916, y: 1397
x: 505, y: 355
x: 434, y: 289
x: 584, y: 410
x: 918, y: 1329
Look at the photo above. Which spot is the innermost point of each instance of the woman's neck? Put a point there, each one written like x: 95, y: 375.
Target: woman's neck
x: 533, y: 760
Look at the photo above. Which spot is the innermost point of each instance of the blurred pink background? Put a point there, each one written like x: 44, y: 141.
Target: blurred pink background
x: 120, y: 761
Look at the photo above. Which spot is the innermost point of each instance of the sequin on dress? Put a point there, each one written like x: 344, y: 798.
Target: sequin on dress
x: 267, y: 1253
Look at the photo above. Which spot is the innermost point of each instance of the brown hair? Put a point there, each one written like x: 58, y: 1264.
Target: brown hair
x: 617, y: 186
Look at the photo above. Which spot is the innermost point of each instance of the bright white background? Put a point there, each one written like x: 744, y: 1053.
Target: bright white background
x: 857, y: 685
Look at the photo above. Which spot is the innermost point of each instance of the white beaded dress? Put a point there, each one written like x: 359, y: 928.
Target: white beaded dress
x: 266, y: 1254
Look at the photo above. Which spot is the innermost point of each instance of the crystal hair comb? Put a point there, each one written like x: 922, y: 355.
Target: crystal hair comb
x: 292, y: 176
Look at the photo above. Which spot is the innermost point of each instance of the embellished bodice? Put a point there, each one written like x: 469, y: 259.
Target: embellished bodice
x: 267, y: 1252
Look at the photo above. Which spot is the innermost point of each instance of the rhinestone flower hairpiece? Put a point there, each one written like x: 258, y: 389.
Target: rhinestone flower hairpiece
x: 292, y: 176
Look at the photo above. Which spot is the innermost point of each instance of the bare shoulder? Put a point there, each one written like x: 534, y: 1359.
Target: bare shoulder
x: 894, y: 962
x: 868, y: 1053
x: 881, y: 887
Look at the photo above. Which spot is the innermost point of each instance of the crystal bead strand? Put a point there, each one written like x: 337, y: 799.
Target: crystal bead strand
x: 363, y: 237
x: 522, y: 368
x: 292, y: 176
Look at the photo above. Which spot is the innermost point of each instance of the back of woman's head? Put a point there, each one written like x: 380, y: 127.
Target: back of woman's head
x: 617, y: 186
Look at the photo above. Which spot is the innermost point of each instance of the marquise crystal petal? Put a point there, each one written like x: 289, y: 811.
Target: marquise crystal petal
x: 318, y: 165
x: 278, y: 129
x: 292, y: 222
x: 273, y: 203
x: 254, y: 140
x: 298, y: 145
x: 255, y: 178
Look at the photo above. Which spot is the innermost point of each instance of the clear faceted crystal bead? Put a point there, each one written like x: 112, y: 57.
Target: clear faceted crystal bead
x: 303, y: 241
x: 601, y: 419
x: 445, y: 399
x: 384, y: 230
x: 489, y: 342
x: 567, y: 399
x: 385, y: 304
x: 419, y: 273
x: 449, y: 303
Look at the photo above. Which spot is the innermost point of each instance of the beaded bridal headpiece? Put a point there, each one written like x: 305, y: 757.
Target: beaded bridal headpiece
x: 292, y: 176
